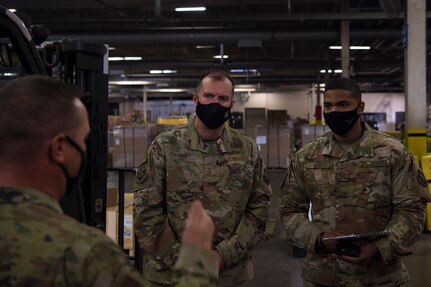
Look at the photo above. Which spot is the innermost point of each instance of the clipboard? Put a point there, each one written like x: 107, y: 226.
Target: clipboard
x: 360, y: 236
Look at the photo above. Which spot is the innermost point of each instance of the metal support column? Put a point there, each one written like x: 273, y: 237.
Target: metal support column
x: 415, y: 77
x: 144, y: 104
x: 345, y: 44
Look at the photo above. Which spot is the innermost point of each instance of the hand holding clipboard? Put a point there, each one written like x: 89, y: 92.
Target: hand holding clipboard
x: 345, y: 243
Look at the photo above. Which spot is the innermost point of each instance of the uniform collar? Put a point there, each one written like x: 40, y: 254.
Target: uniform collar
x: 14, y: 195
x: 364, y: 147
x: 196, y: 142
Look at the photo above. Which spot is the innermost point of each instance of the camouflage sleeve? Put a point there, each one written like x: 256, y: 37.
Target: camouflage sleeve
x: 100, y: 265
x: 196, y: 267
x: 294, y: 208
x: 409, y: 197
x: 151, y: 224
x: 252, y: 225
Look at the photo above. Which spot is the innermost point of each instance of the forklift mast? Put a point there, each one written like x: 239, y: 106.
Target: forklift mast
x: 83, y: 65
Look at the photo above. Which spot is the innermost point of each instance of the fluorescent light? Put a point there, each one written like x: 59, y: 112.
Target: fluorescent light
x: 190, y: 9
x: 360, y: 47
x: 243, y: 70
x: 116, y: 59
x: 219, y: 57
x: 128, y: 83
x: 124, y: 58
x: 351, y: 47
x: 111, y: 48
x: 330, y: 71
x: 12, y: 10
x: 163, y: 71
x: 10, y: 74
x: 132, y: 58
x: 245, y: 88
x: 322, y: 85
x: 238, y: 90
x: 167, y: 90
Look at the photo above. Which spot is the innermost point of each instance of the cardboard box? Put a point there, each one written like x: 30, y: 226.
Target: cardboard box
x: 112, y: 223
x: 129, y: 146
x: 111, y: 197
x: 119, y: 120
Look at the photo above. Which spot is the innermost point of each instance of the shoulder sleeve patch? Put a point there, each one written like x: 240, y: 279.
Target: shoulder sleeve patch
x: 141, y: 175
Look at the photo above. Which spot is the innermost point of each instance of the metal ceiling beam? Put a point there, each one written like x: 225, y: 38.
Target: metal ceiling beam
x: 225, y: 18
x: 251, y: 64
x: 191, y: 37
x: 191, y: 81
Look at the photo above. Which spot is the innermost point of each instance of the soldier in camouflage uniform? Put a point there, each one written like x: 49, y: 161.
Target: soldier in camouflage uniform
x: 204, y: 160
x: 43, y: 127
x: 357, y: 180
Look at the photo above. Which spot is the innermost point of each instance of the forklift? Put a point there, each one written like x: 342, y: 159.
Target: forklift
x: 78, y: 63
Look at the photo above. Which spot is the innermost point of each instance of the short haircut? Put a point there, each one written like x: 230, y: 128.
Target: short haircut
x: 34, y: 109
x: 345, y: 84
x: 216, y: 75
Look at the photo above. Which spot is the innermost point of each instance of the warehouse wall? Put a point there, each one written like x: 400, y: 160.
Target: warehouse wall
x: 297, y: 103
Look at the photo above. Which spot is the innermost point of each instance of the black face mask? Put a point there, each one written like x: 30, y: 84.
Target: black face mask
x: 212, y: 115
x: 73, y: 182
x: 341, y: 122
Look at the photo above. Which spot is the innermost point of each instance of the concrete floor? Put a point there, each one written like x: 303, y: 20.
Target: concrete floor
x: 275, y: 265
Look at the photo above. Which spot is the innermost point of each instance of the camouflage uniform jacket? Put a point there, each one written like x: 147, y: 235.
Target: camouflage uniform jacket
x: 375, y: 185
x: 230, y: 179
x: 40, y: 246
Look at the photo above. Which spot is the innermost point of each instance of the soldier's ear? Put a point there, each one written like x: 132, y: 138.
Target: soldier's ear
x: 195, y: 98
x: 56, y: 149
x: 361, y: 107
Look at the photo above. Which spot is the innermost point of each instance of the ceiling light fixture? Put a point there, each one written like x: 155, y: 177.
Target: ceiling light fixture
x: 116, y: 59
x: 351, y: 47
x: 243, y: 70
x: 238, y: 90
x: 130, y: 83
x: 12, y: 10
x: 167, y: 90
x: 163, y: 71
x: 125, y: 58
x: 219, y: 57
x: 337, y: 71
x: 190, y: 9
x: 132, y: 58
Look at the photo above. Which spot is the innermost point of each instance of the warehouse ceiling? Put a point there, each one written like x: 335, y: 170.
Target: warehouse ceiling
x: 276, y: 43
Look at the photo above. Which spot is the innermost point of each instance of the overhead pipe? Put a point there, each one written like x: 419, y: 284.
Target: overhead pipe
x: 251, y: 64
x: 190, y: 37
